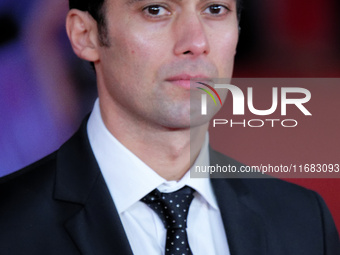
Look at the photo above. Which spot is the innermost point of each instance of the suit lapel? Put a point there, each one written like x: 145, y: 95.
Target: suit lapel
x: 244, y: 227
x: 96, y: 228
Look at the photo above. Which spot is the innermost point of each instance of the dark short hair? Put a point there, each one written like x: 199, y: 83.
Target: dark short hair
x: 95, y: 8
x: 91, y: 6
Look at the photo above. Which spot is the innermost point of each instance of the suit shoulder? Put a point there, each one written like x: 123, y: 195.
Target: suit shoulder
x: 268, y: 191
x: 34, y: 177
x: 275, y: 197
x: 257, y: 183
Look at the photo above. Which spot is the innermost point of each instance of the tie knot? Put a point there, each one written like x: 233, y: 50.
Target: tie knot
x: 172, y: 208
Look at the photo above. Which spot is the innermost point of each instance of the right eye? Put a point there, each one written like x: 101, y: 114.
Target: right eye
x: 156, y: 11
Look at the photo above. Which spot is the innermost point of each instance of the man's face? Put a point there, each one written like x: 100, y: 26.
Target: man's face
x: 156, y: 47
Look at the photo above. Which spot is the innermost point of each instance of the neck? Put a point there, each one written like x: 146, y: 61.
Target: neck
x: 169, y: 152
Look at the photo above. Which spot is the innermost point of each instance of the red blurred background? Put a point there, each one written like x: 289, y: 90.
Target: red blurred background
x: 289, y: 38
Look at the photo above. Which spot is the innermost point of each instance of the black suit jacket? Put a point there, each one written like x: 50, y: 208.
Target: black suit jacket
x: 61, y: 205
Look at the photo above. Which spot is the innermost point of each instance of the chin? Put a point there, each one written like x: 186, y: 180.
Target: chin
x: 186, y: 122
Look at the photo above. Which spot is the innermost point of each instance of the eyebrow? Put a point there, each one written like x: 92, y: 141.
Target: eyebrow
x: 131, y: 2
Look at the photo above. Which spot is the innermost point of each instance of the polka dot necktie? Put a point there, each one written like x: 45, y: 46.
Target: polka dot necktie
x: 172, y: 208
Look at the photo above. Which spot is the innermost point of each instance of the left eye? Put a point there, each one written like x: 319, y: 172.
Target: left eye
x: 156, y: 10
x: 216, y: 9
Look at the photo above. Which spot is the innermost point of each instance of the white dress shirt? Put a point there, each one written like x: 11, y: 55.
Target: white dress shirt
x: 129, y: 179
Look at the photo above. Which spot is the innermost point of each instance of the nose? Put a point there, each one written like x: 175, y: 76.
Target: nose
x: 191, y: 38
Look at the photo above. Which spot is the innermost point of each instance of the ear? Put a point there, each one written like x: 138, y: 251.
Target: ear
x: 82, y: 31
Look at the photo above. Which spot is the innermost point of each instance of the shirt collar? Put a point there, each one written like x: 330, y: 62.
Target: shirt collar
x: 128, y: 178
